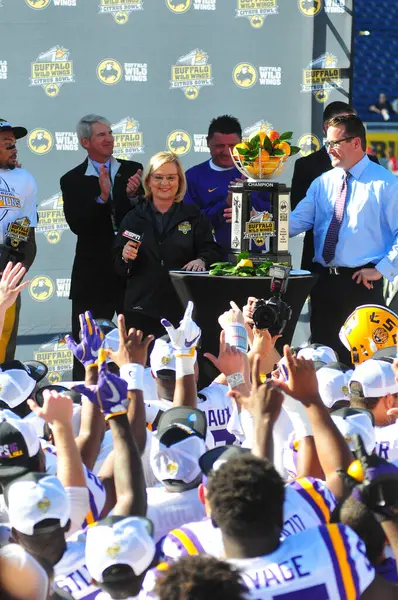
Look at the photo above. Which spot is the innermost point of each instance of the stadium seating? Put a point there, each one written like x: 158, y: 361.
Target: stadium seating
x: 375, y: 55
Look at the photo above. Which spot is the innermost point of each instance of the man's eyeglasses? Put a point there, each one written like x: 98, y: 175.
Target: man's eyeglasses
x: 336, y: 143
x: 169, y: 178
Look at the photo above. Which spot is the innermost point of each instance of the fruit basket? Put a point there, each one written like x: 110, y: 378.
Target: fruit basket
x: 264, y: 155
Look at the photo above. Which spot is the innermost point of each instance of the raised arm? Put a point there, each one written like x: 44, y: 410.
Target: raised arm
x: 333, y: 452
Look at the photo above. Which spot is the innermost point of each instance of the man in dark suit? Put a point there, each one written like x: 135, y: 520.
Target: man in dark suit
x: 97, y: 194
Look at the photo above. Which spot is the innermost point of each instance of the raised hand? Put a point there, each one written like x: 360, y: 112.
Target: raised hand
x: 56, y: 407
x: 133, y: 347
x: 374, y: 482
x: 87, y: 350
x: 110, y: 393
x: 10, y: 285
x: 105, y: 183
x: 133, y: 184
x: 184, y: 339
x: 230, y: 360
x: 302, y: 383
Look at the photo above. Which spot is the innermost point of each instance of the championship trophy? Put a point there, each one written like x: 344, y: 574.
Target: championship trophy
x: 264, y: 235
x: 16, y: 236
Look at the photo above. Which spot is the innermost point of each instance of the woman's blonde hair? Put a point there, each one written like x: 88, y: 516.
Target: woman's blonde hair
x: 156, y: 161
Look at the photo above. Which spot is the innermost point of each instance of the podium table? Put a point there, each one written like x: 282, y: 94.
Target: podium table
x: 211, y: 296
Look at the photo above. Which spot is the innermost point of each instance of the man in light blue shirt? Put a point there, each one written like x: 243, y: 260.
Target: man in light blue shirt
x: 367, y: 236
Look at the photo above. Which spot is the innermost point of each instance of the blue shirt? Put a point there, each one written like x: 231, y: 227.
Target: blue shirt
x: 369, y: 231
x: 208, y: 189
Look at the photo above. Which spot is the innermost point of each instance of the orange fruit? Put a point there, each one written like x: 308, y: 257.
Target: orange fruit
x: 285, y: 147
x: 273, y: 135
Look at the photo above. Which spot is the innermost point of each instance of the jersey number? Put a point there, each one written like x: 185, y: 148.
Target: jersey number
x: 222, y: 436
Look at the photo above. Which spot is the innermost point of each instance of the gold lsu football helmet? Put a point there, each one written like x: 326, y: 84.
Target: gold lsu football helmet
x: 368, y: 329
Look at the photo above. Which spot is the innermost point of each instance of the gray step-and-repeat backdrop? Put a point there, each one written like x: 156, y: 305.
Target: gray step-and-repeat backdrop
x: 159, y: 70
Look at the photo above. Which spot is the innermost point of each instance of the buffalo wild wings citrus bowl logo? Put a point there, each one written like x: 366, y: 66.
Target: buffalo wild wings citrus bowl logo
x: 40, y: 141
x: 256, y: 11
x: 120, y: 11
x: 128, y: 138
x: 51, y: 70
x: 52, y: 219
x: 57, y: 356
x: 191, y: 72
x: 321, y: 76
x: 109, y: 71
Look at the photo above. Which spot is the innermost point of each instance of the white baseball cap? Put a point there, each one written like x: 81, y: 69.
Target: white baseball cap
x: 322, y: 353
x: 162, y: 357
x: 16, y: 385
x: 35, y: 498
x: 178, y: 462
x: 19, y: 442
x: 333, y: 385
x: 360, y: 424
x: 376, y: 379
x: 127, y: 541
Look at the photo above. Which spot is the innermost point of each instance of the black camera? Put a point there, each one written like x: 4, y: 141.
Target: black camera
x: 273, y: 314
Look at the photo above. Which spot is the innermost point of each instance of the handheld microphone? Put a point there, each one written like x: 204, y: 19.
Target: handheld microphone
x: 132, y: 237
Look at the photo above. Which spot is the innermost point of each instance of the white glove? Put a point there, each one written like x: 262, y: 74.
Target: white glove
x: 184, y: 341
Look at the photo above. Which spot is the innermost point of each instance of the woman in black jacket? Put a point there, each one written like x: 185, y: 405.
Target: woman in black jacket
x: 161, y: 234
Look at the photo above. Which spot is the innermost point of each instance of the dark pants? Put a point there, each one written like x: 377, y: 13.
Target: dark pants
x: 99, y: 310
x: 333, y: 299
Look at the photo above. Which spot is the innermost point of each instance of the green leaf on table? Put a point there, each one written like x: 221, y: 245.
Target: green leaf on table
x: 220, y: 265
x: 243, y: 255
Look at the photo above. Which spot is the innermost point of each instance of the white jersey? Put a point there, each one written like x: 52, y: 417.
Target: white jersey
x: 324, y: 563
x: 96, y: 491
x: 216, y: 405
x: 169, y: 510
x: 71, y: 573
x: 387, y: 442
x: 18, y: 198
x: 308, y: 503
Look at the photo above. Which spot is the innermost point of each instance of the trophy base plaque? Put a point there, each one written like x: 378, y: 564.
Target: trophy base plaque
x: 265, y: 235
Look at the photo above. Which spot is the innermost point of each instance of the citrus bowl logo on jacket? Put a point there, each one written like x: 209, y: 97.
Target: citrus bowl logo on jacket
x: 179, y: 142
x: 51, y: 219
x: 179, y: 6
x: 128, y: 138
x: 120, y: 11
x: 191, y: 72
x: 244, y: 75
x: 256, y: 11
x: 321, y: 76
x: 308, y: 143
x: 41, y: 288
x: 109, y: 71
x: 310, y: 8
x: 40, y: 141
x: 52, y: 69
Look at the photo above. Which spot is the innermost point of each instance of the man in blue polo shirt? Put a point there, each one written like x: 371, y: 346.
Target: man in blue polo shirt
x: 207, y: 183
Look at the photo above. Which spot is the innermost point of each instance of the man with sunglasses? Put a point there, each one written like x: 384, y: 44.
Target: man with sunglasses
x: 352, y: 210
x: 18, y: 211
